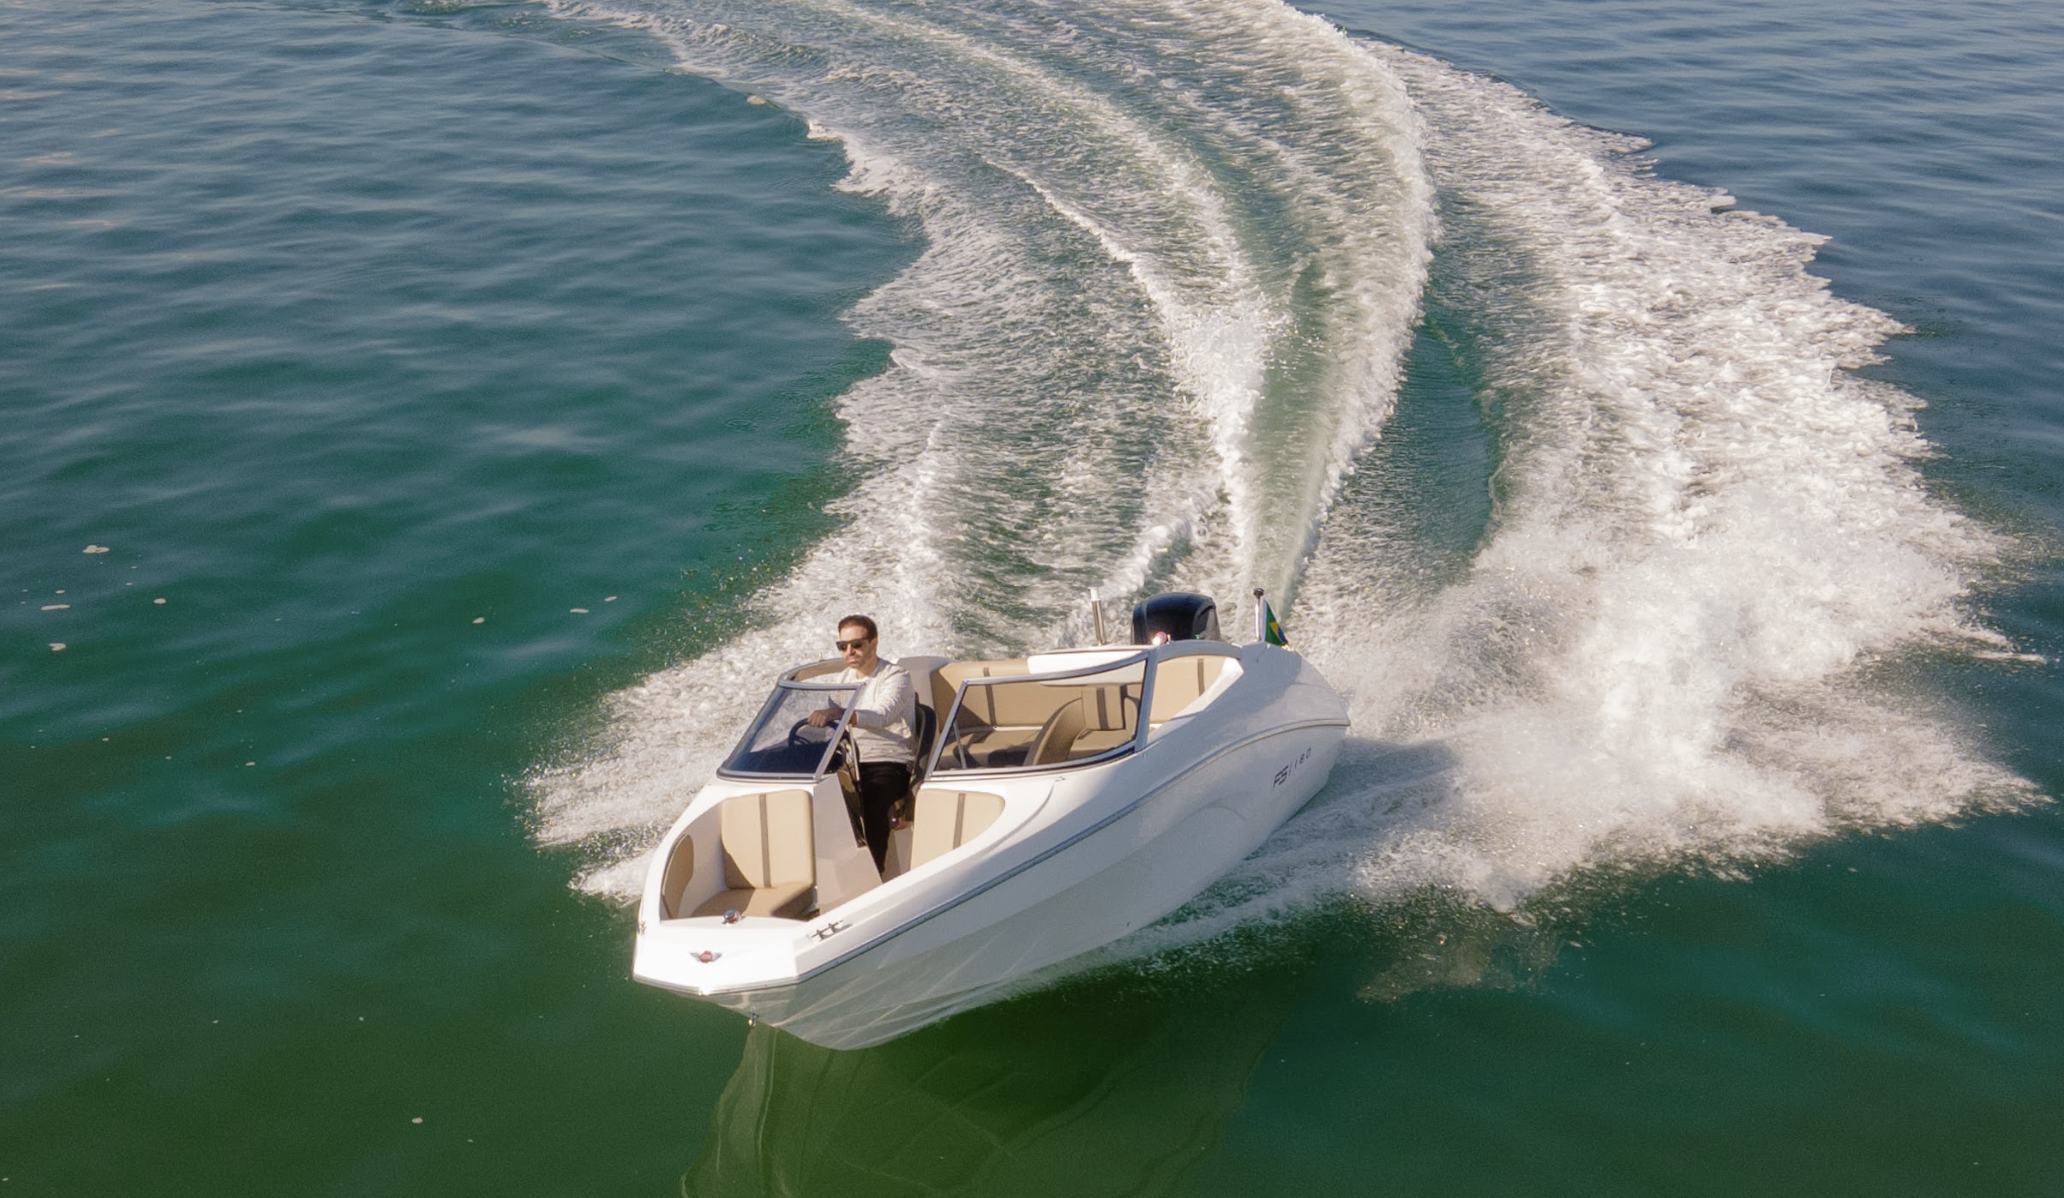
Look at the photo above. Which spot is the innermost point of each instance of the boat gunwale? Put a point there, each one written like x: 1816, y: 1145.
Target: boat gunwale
x: 988, y: 884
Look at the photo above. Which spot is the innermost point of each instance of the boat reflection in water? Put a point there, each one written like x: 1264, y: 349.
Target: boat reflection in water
x: 1097, y: 1089
x: 1125, y: 1079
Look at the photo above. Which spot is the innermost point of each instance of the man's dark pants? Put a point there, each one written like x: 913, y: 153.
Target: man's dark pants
x: 883, y: 784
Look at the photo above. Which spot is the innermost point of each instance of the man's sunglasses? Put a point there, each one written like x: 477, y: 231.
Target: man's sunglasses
x: 852, y: 644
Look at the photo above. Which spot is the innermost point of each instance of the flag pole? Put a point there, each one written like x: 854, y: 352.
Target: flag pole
x: 1260, y: 621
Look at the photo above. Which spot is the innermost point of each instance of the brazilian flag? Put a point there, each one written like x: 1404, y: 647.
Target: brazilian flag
x: 1271, y: 632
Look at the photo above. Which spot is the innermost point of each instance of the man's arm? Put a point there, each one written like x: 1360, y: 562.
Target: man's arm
x: 886, y: 701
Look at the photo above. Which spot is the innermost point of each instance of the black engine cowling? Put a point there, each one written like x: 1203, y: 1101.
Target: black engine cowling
x: 1178, y: 615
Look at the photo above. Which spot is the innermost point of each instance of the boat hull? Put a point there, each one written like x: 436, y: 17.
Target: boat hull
x: 1133, y: 841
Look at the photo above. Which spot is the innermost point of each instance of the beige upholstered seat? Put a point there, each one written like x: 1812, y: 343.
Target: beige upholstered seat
x: 997, y: 724
x: 947, y: 819
x: 1110, y: 718
x: 1051, y: 746
x: 680, y: 870
x: 791, y: 901
x: 770, y: 865
x: 947, y: 679
x: 1030, y: 723
x: 1083, y: 727
x: 1180, y: 681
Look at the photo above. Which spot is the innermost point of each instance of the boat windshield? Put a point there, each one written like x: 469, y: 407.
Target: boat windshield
x: 782, y: 744
x: 1045, y: 721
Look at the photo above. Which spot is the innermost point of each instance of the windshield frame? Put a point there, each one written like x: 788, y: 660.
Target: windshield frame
x: 783, y: 687
x: 1144, y: 658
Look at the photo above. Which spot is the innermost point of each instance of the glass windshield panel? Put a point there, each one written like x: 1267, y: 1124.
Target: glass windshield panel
x: 781, y: 742
x: 1030, y: 723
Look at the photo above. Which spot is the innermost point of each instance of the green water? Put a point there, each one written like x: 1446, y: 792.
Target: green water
x: 375, y: 339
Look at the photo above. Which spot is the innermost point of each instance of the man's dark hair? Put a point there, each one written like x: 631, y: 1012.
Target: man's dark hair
x: 866, y: 622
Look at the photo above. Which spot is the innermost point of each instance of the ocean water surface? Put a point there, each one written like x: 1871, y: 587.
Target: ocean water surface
x: 431, y: 424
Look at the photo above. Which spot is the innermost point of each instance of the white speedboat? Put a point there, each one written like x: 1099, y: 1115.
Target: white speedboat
x: 1067, y: 798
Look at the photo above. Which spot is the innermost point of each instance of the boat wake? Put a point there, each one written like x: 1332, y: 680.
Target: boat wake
x: 1177, y: 256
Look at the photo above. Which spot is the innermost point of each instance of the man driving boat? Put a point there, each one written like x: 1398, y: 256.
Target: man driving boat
x: 884, y: 714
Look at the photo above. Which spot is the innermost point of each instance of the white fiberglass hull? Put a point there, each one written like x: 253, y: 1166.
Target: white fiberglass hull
x: 1091, y: 854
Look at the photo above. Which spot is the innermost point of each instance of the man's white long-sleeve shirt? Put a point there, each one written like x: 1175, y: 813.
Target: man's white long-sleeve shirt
x: 884, y: 713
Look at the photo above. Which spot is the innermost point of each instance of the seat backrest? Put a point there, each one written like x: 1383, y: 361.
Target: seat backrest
x: 1051, y: 746
x: 1110, y: 719
x: 947, y: 679
x: 1180, y: 681
x: 947, y: 819
x: 1109, y: 707
x: 768, y: 840
x: 927, y: 732
x: 1099, y: 712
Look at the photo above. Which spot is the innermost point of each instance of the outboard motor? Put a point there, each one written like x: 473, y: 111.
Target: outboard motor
x: 1178, y: 616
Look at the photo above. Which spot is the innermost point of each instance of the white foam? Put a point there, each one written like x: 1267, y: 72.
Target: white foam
x: 1084, y: 354
x: 1174, y: 256
x: 1710, y: 539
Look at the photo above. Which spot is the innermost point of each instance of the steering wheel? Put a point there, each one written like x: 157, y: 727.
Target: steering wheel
x: 846, y: 751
